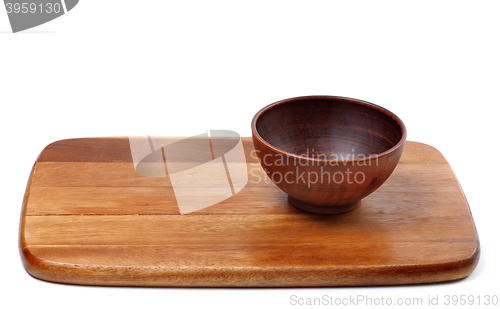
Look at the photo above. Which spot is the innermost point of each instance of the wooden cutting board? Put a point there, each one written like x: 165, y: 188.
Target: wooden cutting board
x: 89, y: 218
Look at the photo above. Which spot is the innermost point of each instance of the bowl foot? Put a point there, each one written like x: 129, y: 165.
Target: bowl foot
x: 326, y: 210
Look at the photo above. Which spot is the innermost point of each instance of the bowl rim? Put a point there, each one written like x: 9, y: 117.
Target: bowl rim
x: 329, y: 97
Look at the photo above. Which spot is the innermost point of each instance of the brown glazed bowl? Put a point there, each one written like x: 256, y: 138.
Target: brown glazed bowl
x: 326, y: 152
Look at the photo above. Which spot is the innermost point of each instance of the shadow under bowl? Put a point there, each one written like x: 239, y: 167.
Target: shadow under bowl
x: 327, y: 152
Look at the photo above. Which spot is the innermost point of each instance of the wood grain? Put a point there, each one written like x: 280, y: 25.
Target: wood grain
x: 88, y: 218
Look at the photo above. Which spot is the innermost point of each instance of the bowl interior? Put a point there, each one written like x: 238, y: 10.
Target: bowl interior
x: 315, y: 127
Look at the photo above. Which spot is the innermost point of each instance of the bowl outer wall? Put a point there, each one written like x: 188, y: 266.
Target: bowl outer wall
x: 326, y: 183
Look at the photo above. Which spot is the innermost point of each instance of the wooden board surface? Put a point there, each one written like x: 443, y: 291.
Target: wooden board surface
x: 89, y: 218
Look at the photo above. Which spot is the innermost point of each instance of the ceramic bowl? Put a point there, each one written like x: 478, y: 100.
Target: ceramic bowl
x: 326, y: 152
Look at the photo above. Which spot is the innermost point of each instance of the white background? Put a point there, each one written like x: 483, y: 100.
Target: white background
x: 121, y: 68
